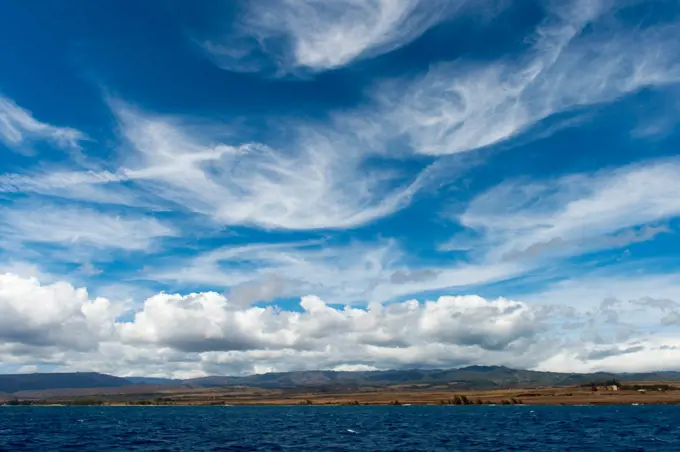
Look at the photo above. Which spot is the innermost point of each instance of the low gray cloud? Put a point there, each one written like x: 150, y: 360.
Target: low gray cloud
x: 663, y: 304
x: 609, y: 352
x: 403, y: 277
x: 559, y: 245
x: 672, y: 318
x: 611, y: 316
x: 265, y: 289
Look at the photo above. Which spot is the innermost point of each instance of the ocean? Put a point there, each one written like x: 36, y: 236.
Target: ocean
x: 351, y: 428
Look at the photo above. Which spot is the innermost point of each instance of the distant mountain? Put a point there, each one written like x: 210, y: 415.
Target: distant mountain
x: 466, y: 378
x: 146, y: 390
x: 212, y: 381
x: 152, y: 381
x: 473, y: 377
x: 36, y: 382
x: 470, y: 377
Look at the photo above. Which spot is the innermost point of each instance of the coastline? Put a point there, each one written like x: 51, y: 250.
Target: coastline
x: 390, y: 396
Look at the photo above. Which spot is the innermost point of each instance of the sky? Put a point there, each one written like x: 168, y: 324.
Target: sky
x: 238, y: 187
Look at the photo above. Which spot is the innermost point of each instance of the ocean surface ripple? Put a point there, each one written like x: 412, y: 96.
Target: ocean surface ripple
x: 362, y: 428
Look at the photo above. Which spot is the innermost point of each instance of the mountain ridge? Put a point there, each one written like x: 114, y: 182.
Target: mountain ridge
x: 11, y: 383
x: 471, y: 377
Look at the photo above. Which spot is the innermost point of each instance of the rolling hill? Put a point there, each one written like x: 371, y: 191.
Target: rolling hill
x: 466, y: 378
x: 34, y: 382
x: 472, y: 377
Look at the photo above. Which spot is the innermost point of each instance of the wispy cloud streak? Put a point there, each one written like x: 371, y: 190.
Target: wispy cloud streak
x: 71, y: 226
x: 576, y: 213
x: 317, y: 182
x: 18, y: 127
x: 464, y: 105
x: 320, y: 35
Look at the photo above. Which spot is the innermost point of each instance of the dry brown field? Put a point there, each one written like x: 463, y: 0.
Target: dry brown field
x: 390, y: 395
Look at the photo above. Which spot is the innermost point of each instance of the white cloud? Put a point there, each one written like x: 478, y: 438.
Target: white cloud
x: 624, y: 282
x: 575, y: 213
x: 18, y: 126
x: 208, y: 322
x: 461, y: 106
x: 458, y: 276
x: 78, y: 226
x: 26, y: 270
x: 319, y: 177
x: 617, y: 319
x: 660, y: 353
x: 174, y: 334
x: 204, y: 333
x: 317, y: 182
x: 321, y: 35
x: 101, y: 187
x: 55, y: 315
x: 345, y: 273
x: 351, y: 273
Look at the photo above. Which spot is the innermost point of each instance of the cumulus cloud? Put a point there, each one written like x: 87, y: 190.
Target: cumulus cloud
x: 321, y: 35
x: 62, y: 325
x: 53, y: 315
x: 18, y: 127
x: 575, y: 213
x: 197, y: 322
x: 209, y: 322
x: 206, y: 333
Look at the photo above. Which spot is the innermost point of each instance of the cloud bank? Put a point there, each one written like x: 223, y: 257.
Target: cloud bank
x: 201, y: 333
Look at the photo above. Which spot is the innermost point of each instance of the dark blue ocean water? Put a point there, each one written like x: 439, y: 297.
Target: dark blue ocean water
x: 403, y: 429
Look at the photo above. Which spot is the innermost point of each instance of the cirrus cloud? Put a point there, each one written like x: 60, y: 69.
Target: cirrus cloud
x: 577, y: 59
x: 18, y: 126
x: 321, y: 35
x: 576, y: 213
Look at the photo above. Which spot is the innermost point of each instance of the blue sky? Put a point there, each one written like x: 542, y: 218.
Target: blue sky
x: 249, y: 186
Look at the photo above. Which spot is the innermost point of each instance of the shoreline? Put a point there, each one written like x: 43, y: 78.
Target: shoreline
x: 385, y: 396
x: 368, y: 405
